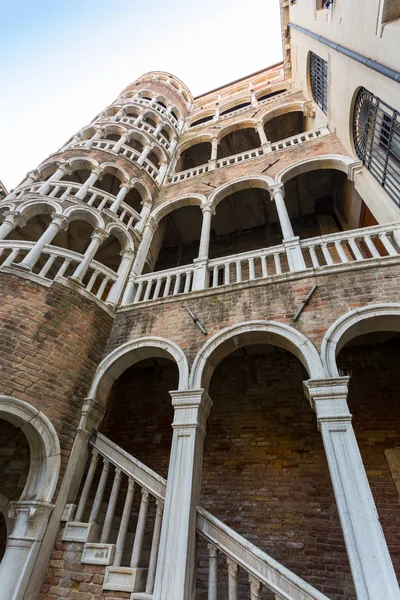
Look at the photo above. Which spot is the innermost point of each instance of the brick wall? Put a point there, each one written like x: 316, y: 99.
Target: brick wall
x: 52, y: 341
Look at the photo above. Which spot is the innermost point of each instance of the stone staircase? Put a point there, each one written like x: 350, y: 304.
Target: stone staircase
x: 127, y: 545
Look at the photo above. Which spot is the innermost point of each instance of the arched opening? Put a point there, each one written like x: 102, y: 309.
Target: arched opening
x: 373, y: 361
x: 285, y: 126
x: 134, y: 199
x: 167, y: 133
x: 154, y: 158
x: 238, y: 141
x: 131, y: 111
x: 136, y: 142
x: 194, y: 156
x: 265, y: 96
x: 112, y: 136
x: 176, y: 241
x: 235, y: 107
x: 244, y: 220
x: 143, y: 427
x: 202, y: 120
x: 264, y: 467
x: 81, y: 172
x: 14, y: 469
x: 150, y: 120
x: 110, y: 180
x: 34, y: 227
x: 323, y: 201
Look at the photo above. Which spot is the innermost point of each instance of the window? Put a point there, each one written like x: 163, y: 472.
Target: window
x: 376, y: 132
x: 319, y: 81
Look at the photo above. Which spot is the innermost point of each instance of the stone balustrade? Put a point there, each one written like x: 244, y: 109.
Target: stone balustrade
x: 113, y: 542
x: 95, y: 197
x: 119, y: 541
x: 243, y: 109
x: 294, y: 140
x: 264, y: 574
x: 57, y: 264
x: 379, y: 242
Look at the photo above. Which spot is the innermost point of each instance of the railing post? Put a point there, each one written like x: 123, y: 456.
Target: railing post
x: 212, y: 572
x: 232, y: 579
x: 155, y: 544
x: 112, y: 503
x: 123, y: 528
x: 255, y: 588
x: 368, y: 554
x: 100, y: 492
x: 86, y: 488
x: 141, y: 525
x: 175, y: 577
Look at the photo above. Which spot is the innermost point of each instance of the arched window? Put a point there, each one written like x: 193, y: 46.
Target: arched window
x: 376, y: 134
x: 319, y: 81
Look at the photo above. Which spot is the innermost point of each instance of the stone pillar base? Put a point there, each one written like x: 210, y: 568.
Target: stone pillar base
x: 125, y: 579
x: 80, y: 532
x: 97, y: 554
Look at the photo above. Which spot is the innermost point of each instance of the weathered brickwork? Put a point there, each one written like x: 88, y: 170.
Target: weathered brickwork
x: 52, y: 340
x: 273, y: 300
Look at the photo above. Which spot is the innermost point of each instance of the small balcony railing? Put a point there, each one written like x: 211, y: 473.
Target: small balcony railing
x: 126, y: 151
x: 94, y: 197
x: 358, y: 246
x: 290, y: 142
x: 58, y: 264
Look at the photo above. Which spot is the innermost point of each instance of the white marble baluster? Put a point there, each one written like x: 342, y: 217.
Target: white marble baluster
x: 238, y: 271
x: 388, y: 244
x: 215, y: 277
x: 167, y: 286
x: 371, y: 246
x: 155, y: 544
x: 314, y: 258
x: 232, y: 579
x: 277, y: 261
x: 138, y: 292
x: 327, y: 254
x: 177, y: 284
x: 212, y: 572
x: 340, y: 250
x: 227, y: 274
x: 86, y: 488
x: 112, y: 503
x: 47, y: 266
x: 123, y: 528
x: 251, y: 269
x: 100, y: 492
x: 264, y: 266
x: 140, y: 529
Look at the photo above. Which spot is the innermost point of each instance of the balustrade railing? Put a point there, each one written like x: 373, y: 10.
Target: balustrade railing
x: 120, y: 511
x: 355, y: 246
x: 261, y: 572
x: 94, y: 197
x: 244, y: 108
x: 294, y: 140
x: 56, y: 263
x: 125, y: 535
x: 170, y: 282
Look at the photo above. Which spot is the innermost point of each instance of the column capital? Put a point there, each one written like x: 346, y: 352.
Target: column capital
x: 207, y: 208
x: 328, y: 398
x: 14, y: 217
x: 127, y: 253
x: 96, y: 171
x: 60, y: 220
x: 64, y: 166
x: 99, y: 234
x: 34, y: 174
x: 192, y: 408
x: 277, y: 187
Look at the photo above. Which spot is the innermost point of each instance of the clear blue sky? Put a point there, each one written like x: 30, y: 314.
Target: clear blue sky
x: 63, y: 61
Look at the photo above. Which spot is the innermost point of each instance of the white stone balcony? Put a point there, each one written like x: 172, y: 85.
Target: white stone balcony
x: 125, y: 151
x: 95, y: 197
x: 58, y: 264
x: 292, y: 141
x: 346, y: 249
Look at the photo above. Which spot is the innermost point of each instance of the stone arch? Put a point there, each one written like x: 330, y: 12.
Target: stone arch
x: 247, y: 124
x: 239, y: 335
x: 282, y: 110
x: 85, y: 213
x: 109, y: 168
x: 199, y: 139
x: 117, y: 128
x: 45, y: 453
x: 326, y: 161
x: 123, y: 357
x: 81, y: 163
x: 224, y: 190
x: 244, y: 99
x: 368, y: 319
x: 192, y: 200
x: 200, y: 114
x: 122, y: 236
x: 31, y: 208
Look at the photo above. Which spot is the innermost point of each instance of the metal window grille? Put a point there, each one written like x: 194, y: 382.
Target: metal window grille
x: 376, y: 131
x: 319, y: 81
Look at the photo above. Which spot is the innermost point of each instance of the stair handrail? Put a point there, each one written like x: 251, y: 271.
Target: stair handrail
x: 254, y: 561
x: 129, y: 465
